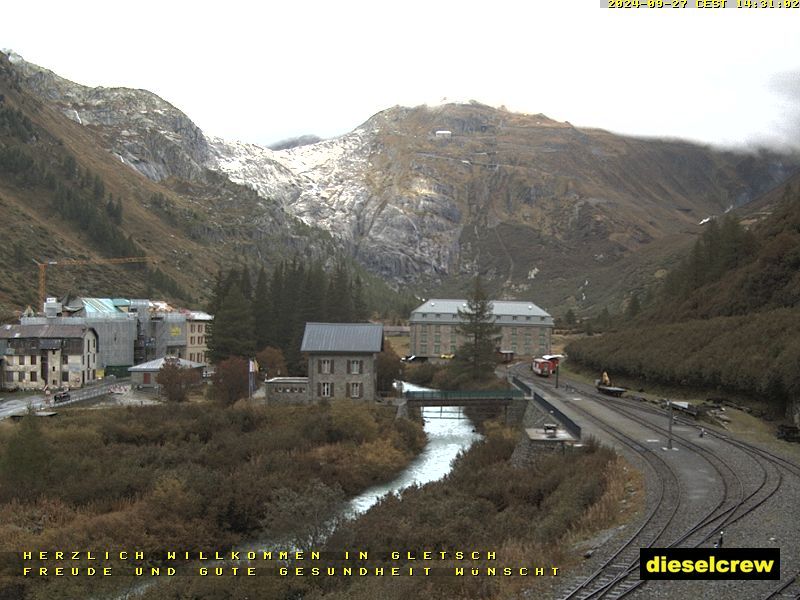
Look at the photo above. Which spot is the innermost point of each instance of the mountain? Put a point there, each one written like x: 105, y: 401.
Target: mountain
x: 727, y: 318
x: 427, y: 197
x: 94, y: 173
x: 539, y: 207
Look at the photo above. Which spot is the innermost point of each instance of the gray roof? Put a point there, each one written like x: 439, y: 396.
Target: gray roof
x: 155, y: 365
x: 42, y: 331
x: 500, y: 307
x: 342, y: 337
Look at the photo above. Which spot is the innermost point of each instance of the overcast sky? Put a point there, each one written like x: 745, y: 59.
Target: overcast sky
x: 264, y: 71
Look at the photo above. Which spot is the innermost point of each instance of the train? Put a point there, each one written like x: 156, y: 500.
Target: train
x: 545, y: 365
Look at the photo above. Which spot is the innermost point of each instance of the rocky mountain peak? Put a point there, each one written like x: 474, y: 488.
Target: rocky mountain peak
x: 143, y: 130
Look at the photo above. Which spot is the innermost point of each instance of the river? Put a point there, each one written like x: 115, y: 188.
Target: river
x: 446, y: 438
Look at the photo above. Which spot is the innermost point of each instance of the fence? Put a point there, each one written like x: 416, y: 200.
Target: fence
x: 543, y: 404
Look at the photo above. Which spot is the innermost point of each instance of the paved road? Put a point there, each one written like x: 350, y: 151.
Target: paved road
x: 19, y: 406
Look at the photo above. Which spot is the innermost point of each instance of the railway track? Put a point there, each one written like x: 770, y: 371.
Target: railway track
x: 618, y: 576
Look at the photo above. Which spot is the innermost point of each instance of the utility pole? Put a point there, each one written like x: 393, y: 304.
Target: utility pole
x: 669, y: 415
x: 557, y: 368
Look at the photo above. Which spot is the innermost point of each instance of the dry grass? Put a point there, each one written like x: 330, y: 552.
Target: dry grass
x: 622, y: 501
x: 755, y: 430
x: 401, y: 344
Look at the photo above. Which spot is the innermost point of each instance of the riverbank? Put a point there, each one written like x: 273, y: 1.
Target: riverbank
x: 182, y: 477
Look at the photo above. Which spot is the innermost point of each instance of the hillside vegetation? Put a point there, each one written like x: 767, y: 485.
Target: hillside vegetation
x: 727, y: 317
x: 63, y: 195
x: 184, y: 477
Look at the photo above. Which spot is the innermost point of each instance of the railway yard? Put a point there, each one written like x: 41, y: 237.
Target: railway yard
x: 700, y: 487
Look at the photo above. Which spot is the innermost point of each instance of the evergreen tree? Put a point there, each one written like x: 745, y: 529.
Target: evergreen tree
x: 340, y: 297
x: 245, y: 283
x: 261, y: 310
x: 477, y: 354
x: 232, y: 330
x: 360, y: 312
x: 634, y: 307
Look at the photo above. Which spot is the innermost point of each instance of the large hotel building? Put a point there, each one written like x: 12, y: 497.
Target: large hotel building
x: 525, y: 329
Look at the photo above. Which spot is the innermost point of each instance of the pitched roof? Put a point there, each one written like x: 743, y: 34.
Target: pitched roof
x: 42, y: 331
x: 500, y: 307
x: 342, y: 337
x: 155, y: 365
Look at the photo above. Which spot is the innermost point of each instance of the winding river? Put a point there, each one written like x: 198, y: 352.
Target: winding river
x: 446, y: 438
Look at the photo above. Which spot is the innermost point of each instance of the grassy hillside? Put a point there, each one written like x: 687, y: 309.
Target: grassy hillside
x: 727, y: 317
x: 64, y: 196
x: 543, y: 207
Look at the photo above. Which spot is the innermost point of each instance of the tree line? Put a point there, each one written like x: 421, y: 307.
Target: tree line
x: 726, y: 317
x: 253, y: 313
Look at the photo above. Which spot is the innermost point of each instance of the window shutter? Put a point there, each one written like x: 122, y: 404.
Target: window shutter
x: 360, y: 390
x: 319, y: 389
x: 361, y: 367
x: 332, y: 394
x: 319, y: 366
x: 333, y: 362
x: 348, y: 362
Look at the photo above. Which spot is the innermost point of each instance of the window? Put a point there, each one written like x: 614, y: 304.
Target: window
x: 436, y: 349
x: 326, y: 389
x: 65, y: 376
x: 514, y: 318
x: 354, y: 366
x: 9, y: 377
x: 33, y: 361
x: 325, y: 365
x: 191, y: 340
x: 437, y: 328
x: 64, y: 358
x: 191, y: 328
x: 355, y: 390
x: 452, y: 348
x: 22, y: 361
x: 423, y: 348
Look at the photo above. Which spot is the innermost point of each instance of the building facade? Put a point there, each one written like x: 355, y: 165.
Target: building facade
x: 197, y: 323
x: 145, y: 374
x: 131, y: 331
x: 33, y: 357
x: 341, y: 364
x: 525, y: 329
x: 341, y: 359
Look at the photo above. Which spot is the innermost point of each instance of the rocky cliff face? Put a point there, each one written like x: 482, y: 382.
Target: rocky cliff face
x: 144, y: 131
x: 428, y: 195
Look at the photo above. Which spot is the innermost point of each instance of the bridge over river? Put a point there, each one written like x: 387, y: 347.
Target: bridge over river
x: 461, y: 399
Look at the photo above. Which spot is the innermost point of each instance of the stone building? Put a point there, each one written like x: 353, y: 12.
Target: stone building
x: 341, y: 363
x: 525, y: 329
x: 35, y: 356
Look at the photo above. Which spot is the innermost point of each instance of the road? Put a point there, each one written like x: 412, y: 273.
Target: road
x: 20, y: 405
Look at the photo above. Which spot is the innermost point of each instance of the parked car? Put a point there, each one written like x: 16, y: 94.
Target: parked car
x: 61, y: 397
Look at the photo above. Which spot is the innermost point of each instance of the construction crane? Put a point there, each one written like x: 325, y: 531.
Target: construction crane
x: 69, y: 262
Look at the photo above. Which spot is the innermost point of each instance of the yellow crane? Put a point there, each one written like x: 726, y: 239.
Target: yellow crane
x: 69, y: 262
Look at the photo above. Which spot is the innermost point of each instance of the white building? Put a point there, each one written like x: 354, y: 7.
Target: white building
x: 35, y: 356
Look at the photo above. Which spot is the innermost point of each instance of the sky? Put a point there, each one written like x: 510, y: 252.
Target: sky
x: 265, y: 71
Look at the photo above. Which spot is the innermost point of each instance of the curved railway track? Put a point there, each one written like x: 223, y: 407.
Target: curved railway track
x: 618, y: 576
